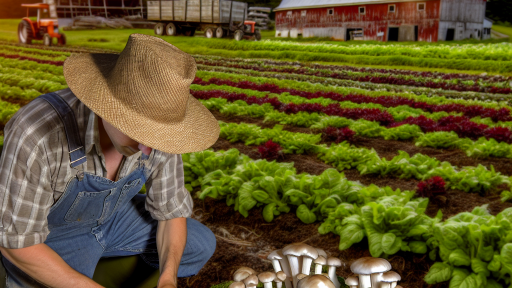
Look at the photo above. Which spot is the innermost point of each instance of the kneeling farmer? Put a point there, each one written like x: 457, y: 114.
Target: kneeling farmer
x: 71, y: 170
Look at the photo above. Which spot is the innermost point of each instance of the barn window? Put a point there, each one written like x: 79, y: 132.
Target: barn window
x: 421, y: 6
x: 330, y: 11
x: 289, y: 14
x: 391, y: 8
x: 362, y: 10
x: 303, y: 13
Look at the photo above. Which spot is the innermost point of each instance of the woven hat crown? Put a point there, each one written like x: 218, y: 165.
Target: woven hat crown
x: 153, y: 77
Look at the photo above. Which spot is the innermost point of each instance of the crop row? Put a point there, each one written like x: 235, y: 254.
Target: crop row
x: 453, y: 84
x: 34, y: 51
x: 7, y: 110
x: 41, y: 86
x: 212, y: 60
x: 390, y: 220
x: 30, y: 65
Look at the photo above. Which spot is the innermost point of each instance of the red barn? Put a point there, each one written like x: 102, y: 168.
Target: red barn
x: 381, y: 20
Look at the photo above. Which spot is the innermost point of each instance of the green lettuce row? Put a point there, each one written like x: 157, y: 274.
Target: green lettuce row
x: 314, y: 87
x: 345, y: 156
x: 42, y: 86
x: 37, y: 75
x: 33, y: 51
x: 30, y: 66
x: 15, y: 92
x: 399, y: 113
x: 374, y: 87
x: 33, y: 55
x: 7, y: 110
x: 254, y: 63
x: 481, y: 148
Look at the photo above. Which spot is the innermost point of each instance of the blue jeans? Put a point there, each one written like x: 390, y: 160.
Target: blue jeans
x: 97, y: 217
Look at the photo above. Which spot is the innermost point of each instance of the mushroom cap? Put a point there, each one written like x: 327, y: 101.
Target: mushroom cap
x: 301, y: 276
x: 333, y: 261
x: 281, y: 276
x: 321, y: 252
x: 276, y: 254
x: 320, y: 260
x: 266, y: 277
x: 237, y: 285
x: 300, y: 249
x: 250, y: 270
x: 370, y: 265
x: 239, y: 276
x: 253, y: 279
x: 352, y: 281
x: 390, y: 276
x: 316, y: 281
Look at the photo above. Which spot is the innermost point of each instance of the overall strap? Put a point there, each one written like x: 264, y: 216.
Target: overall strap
x: 66, y: 115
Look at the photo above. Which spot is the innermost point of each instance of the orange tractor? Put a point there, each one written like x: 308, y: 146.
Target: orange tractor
x: 45, y: 28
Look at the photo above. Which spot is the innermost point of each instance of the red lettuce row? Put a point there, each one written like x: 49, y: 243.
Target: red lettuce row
x: 369, y: 78
x: 496, y: 115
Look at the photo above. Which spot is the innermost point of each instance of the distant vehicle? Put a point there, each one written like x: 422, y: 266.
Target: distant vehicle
x: 45, y: 28
x: 217, y: 18
x: 261, y: 16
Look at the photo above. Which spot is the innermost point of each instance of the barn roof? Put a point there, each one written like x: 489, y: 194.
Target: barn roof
x: 303, y: 4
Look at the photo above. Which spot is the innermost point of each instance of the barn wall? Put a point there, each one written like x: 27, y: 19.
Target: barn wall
x: 375, y: 22
x: 465, y: 16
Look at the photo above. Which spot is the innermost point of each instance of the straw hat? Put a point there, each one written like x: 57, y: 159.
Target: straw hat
x: 145, y: 93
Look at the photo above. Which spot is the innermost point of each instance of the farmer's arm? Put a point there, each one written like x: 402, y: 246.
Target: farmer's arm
x: 26, y: 197
x: 169, y: 202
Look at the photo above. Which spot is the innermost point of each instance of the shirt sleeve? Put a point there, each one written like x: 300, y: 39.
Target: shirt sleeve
x: 26, y: 195
x: 167, y: 197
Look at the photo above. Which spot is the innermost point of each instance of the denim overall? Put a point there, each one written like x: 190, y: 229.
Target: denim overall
x: 96, y: 217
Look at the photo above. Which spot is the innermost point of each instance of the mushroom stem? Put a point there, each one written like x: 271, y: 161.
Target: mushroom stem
x: 364, y: 281
x: 285, y: 266
x: 385, y: 285
x: 393, y: 284
x: 279, y: 284
x: 318, y: 269
x: 306, y: 265
x: 267, y: 285
x: 332, y: 276
x: 276, y: 265
x: 375, y: 278
x: 294, y: 267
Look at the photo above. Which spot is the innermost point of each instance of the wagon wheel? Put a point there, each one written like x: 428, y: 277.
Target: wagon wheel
x: 159, y: 29
x: 47, y: 39
x: 257, y: 35
x: 219, y: 33
x: 171, y: 30
x: 25, y: 33
x: 62, y: 39
x: 239, y: 35
x: 209, y: 33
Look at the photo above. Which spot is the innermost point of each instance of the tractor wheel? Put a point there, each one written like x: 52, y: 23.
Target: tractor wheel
x: 189, y: 31
x: 62, y: 39
x: 47, y: 39
x: 239, y: 35
x: 257, y: 35
x: 171, y: 30
x: 219, y: 33
x: 208, y: 33
x: 25, y: 33
x: 159, y: 29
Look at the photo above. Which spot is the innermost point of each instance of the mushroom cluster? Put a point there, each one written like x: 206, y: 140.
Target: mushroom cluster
x: 292, y: 265
x: 374, y: 273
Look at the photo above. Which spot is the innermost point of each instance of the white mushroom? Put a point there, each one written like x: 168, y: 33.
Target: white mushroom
x: 389, y: 279
x: 296, y: 250
x: 370, y: 270
x: 242, y: 273
x: 334, y: 262
x: 280, y: 277
x: 283, y: 266
x: 315, y: 281
x: 266, y: 278
x: 251, y: 280
x: 321, y: 252
x: 352, y: 282
x: 318, y: 264
x: 237, y: 285
x: 300, y: 276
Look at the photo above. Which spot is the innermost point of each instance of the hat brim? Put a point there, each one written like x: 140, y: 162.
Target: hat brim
x: 85, y: 76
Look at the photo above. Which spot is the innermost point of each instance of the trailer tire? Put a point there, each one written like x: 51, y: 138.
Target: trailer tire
x: 171, y: 30
x: 159, y: 29
x: 239, y: 35
x: 47, y: 39
x: 219, y: 32
x: 25, y: 33
x: 208, y: 33
x: 257, y: 35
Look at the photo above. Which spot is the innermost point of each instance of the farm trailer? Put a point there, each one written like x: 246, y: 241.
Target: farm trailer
x: 219, y: 18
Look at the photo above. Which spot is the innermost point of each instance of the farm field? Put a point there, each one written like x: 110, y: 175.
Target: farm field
x: 410, y: 165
